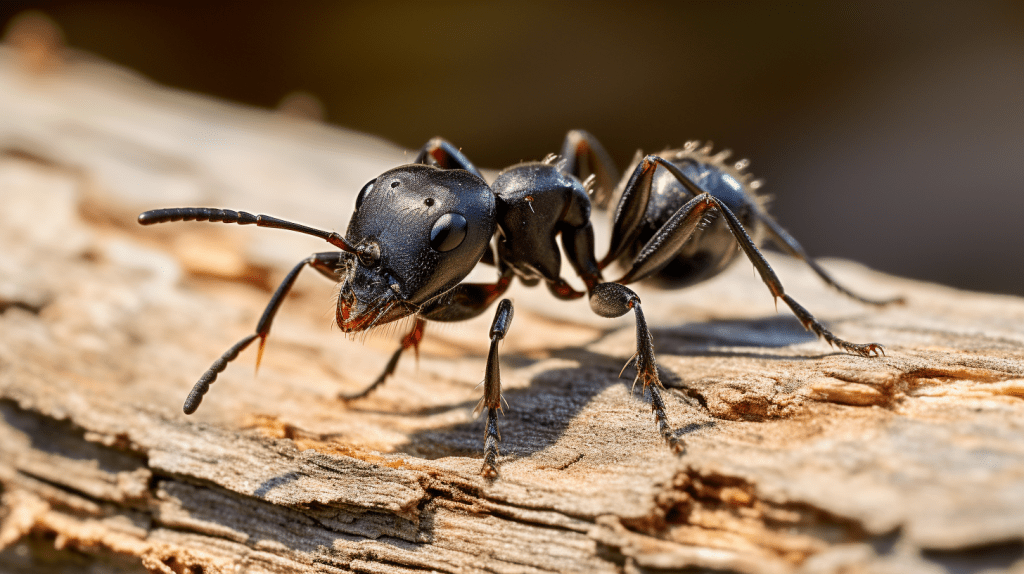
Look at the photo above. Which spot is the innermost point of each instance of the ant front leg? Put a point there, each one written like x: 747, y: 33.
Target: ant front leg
x: 492, y: 389
x: 614, y: 300
x: 465, y: 301
x: 326, y: 263
x: 411, y: 340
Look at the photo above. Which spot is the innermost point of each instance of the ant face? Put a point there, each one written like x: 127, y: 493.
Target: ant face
x: 418, y: 231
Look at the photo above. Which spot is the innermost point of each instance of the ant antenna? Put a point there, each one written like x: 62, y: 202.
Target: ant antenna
x: 241, y: 218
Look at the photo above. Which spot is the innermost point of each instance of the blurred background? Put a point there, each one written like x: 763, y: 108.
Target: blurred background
x: 889, y: 133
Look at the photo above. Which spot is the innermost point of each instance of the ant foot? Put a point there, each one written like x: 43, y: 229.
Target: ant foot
x: 488, y: 470
x: 675, y: 444
x: 348, y: 398
x: 868, y: 350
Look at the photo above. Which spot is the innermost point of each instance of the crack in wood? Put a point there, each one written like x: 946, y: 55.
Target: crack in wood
x: 798, y: 458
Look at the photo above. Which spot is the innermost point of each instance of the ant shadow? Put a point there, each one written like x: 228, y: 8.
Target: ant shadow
x: 540, y: 412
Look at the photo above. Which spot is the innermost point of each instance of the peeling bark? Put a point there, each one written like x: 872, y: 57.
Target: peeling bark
x: 798, y: 459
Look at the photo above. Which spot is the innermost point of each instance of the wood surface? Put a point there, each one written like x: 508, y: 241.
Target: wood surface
x: 798, y: 458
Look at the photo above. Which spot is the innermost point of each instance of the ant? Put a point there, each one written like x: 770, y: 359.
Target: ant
x: 419, y: 229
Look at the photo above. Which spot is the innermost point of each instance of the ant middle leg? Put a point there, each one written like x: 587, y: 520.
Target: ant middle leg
x: 440, y: 152
x: 614, y: 300
x: 585, y: 156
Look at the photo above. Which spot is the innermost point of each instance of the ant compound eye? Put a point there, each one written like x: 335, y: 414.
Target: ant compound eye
x: 448, y: 232
x: 362, y: 192
x: 368, y: 254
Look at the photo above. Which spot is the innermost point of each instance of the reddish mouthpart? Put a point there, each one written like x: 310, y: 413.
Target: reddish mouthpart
x: 352, y: 320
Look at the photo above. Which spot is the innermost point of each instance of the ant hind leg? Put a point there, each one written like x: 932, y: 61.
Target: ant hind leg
x: 784, y: 241
x: 673, y: 235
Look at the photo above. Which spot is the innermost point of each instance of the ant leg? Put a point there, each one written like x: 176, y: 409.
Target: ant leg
x: 412, y: 339
x: 492, y: 389
x: 323, y: 262
x: 783, y: 240
x: 775, y: 286
x: 585, y: 156
x: 465, y: 301
x: 562, y: 290
x: 632, y: 207
x: 670, y: 238
x: 578, y: 243
x: 614, y: 300
x: 440, y: 152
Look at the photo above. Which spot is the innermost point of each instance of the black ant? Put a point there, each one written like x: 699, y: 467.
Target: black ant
x: 419, y: 229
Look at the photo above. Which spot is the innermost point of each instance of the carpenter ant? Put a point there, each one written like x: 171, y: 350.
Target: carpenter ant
x: 419, y: 229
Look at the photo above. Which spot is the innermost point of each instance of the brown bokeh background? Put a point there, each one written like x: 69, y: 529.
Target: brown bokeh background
x: 889, y: 133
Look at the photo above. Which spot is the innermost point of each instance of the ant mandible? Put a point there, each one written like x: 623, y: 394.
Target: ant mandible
x: 419, y: 229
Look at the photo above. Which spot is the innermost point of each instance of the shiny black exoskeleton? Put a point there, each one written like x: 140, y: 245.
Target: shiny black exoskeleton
x: 418, y: 230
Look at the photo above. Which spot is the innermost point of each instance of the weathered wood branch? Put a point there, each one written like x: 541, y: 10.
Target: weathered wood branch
x: 798, y: 459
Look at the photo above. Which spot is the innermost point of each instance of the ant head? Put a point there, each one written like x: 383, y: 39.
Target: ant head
x: 417, y: 232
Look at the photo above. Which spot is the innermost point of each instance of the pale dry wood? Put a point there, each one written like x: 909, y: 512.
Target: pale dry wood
x: 799, y: 459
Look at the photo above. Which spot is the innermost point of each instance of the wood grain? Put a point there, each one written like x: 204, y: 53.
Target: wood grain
x: 798, y: 459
